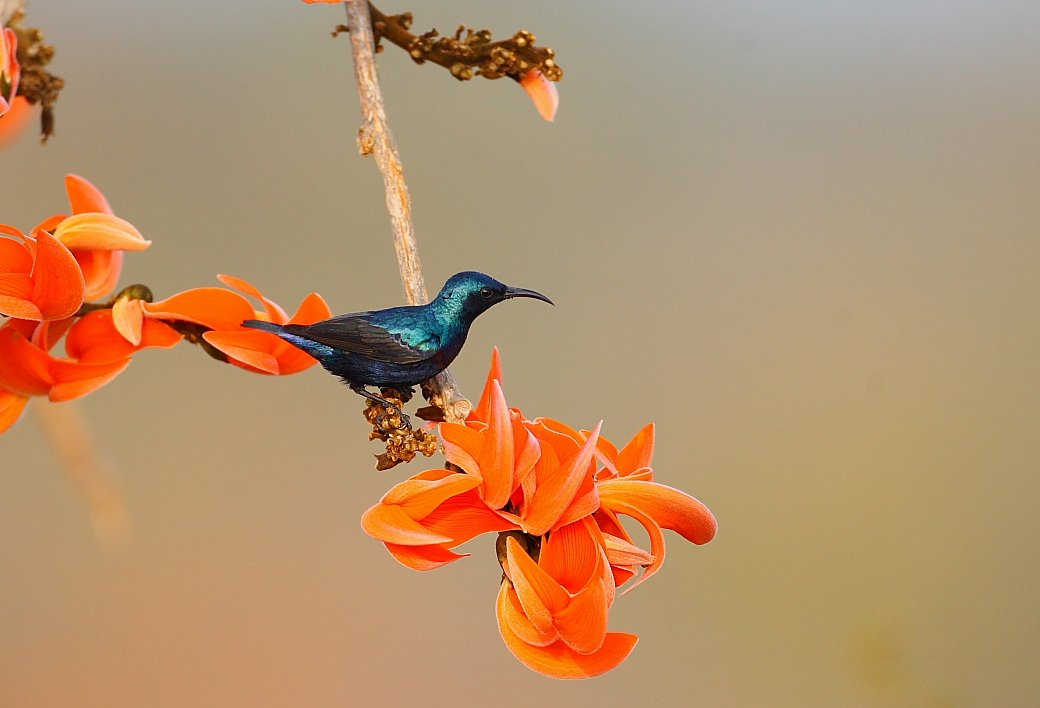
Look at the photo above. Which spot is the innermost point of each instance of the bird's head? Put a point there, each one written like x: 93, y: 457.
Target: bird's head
x: 471, y: 293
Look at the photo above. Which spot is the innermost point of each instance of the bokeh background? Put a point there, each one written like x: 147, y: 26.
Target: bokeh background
x: 802, y: 237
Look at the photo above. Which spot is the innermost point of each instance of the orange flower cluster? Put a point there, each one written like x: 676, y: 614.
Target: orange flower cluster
x: 46, y: 277
x: 554, y: 494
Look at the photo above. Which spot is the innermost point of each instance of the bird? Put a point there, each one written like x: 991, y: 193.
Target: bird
x: 399, y: 347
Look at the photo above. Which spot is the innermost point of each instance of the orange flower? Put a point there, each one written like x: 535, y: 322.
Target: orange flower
x: 27, y: 369
x: 542, y: 93
x: 10, y: 70
x: 96, y: 337
x: 96, y: 236
x: 561, y: 491
x: 39, y: 277
x: 222, y: 312
x: 552, y: 614
x: 421, y: 519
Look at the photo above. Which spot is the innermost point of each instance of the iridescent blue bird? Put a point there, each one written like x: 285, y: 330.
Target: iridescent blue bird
x: 401, y: 346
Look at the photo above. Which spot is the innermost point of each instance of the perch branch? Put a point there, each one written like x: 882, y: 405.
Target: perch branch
x: 374, y: 138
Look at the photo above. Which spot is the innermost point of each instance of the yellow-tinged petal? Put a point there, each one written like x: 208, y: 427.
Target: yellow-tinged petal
x: 539, y: 594
x: 542, y: 92
x: 391, y: 524
x: 558, y: 660
x: 128, y: 319
x: 98, y: 231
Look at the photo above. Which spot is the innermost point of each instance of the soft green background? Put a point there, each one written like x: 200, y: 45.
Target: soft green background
x: 802, y: 237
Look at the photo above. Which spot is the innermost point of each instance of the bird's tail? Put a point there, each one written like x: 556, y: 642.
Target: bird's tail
x: 265, y: 326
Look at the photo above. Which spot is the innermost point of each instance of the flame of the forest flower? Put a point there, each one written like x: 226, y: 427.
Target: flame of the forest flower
x: 561, y: 491
x: 95, y: 235
x: 46, y: 276
x: 10, y: 70
x: 223, y: 311
x: 39, y: 278
x: 542, y: 93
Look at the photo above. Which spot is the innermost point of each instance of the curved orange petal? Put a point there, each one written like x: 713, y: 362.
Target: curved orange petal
x: 11, y: 408
x: 539, y: 594
x: 94, y: 338
x: 670, y: 508
x: 57, y: 280
x: 419, y: 497
x: 15, y: 256
x: 558, y: 488
x: 512, y: 613
x: 462, y: 446
x: 15, y: 293
x: 542, y: 93
x: 273, y: 310
x: 423, y: 558
x: 560, y: 661
x: 638, y: 453
x: 84, y: 196
x: 101, y: 270
x: 390, y: 523
x: 582, y: 624
x: 312, y: 309
x: 75, y: 379
x: 465, y: 516
x: 247, y: 348
x: 657, y: 547
x: 622, y: 553
x: 94, y: 230
x: 24, y: 368
x: 215, y: 308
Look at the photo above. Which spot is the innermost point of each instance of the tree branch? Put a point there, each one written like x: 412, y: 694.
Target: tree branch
x: 374, y: 138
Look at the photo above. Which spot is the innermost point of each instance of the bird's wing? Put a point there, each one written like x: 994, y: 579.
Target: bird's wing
x: 356, y: 334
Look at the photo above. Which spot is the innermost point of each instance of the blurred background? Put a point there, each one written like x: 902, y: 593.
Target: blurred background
x: 802, y: 237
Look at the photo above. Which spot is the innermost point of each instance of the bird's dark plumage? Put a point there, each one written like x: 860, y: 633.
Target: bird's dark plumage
x: 400, y: 346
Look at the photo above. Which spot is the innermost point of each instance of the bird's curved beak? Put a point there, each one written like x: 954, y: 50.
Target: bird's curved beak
x: 524, y: 292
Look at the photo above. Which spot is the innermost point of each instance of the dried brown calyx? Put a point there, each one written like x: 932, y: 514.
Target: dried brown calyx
x: 468, y: 52
x: 391, y: 426
x: 37, y: 85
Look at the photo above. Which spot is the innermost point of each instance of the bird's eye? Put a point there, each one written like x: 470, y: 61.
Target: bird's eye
x: 486, y: 293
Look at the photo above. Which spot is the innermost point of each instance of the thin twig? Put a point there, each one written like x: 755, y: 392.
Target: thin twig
x: 374, y: 138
